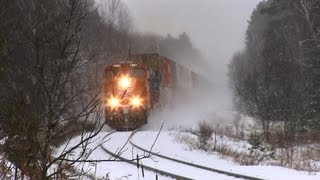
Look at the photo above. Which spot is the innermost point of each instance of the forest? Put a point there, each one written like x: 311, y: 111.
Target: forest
x: 275, y: 78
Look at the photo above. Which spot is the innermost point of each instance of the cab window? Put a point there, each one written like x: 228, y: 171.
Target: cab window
x: 115, y: 71
x: 111, y: 72
x: 138, y: 72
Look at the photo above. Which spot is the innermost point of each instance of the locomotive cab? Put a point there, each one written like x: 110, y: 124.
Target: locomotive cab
x: 126, y: 95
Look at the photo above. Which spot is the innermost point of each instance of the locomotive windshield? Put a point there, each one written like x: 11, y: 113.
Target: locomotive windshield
x: 118, y: 70
x: 111, y: 72
x: 137, y: 72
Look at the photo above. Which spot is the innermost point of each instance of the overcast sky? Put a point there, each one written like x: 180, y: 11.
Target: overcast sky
x: 216, y: 27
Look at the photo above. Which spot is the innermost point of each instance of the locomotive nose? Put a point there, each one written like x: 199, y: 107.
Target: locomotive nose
x: 130, y: 102
x: 126, y: 110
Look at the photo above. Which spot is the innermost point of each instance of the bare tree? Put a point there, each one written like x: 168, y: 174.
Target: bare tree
x: 50, y: 98
x: 307, y: 8
x: 52, y: 92
x: 117, y: 19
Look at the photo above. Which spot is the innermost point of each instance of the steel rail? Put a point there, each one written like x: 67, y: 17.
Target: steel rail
x: 236, y: 175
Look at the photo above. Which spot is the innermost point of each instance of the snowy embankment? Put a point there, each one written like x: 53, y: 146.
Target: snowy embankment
x: 121, y: 170
x: 167, y: 144
x: 107, y: 170
x: 160, y: 163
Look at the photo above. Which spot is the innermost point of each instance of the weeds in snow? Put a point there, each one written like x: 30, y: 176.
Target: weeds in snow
x: 249, y: 148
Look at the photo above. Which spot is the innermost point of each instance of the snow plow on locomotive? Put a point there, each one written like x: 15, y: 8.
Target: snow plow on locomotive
x: 139, y: 84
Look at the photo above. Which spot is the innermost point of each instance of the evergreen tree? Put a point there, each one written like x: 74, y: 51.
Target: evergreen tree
x: 276, y: 77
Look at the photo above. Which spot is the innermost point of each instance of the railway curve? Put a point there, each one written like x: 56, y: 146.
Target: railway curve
x: 134, y: 163
x: 236, y: 175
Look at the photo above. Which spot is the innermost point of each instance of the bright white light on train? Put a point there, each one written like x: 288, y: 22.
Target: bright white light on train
x: 124, y: 82
x: 113, y: 102
x: 136, y: 101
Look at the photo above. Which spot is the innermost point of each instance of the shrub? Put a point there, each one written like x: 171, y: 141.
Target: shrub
x: 205, y: 135
x: 255, y: 141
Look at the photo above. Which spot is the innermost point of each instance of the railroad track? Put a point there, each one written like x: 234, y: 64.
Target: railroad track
x: 173, y: 161
x: 134, y: 162
x: 236, y: 175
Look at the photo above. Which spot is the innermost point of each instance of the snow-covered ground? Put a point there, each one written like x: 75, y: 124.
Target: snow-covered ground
x: 160, y: 163
x: 167, y: 144
x: 113, y: 170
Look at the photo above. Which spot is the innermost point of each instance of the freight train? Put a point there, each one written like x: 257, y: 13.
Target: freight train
x: 139, y: 84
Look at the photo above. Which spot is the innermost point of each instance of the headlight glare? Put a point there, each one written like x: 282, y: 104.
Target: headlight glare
x: 136, y: 101
x: 124, y: 82
x: 113, y: 102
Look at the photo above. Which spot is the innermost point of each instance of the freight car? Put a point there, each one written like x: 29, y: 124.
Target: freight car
x: 136, y: 85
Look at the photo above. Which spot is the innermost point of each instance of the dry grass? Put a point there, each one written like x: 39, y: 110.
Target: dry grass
x: 282, y: 150
x: 204, y: 135
x: 243, y: 158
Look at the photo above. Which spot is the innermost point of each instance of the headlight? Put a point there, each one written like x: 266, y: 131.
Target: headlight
x: 113, y: 102
x: 136, y: 101
x: 124, y: 82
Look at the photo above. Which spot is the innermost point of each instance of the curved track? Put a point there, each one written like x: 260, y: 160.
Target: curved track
x: 192, y: 164
x: 133, y: 162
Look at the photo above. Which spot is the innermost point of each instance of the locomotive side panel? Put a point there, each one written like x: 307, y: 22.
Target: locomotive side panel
x: 166, y: 79
x: 167, y: 86
x: 154, y: 63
